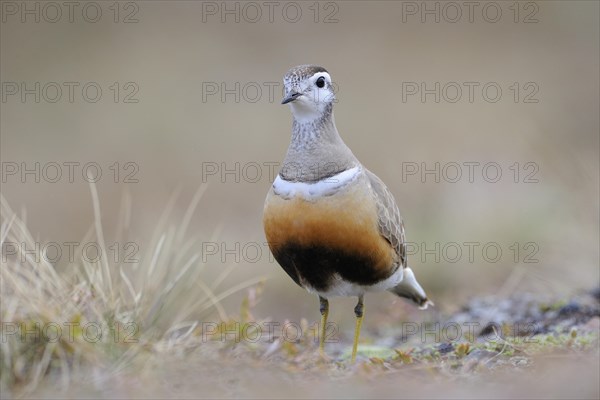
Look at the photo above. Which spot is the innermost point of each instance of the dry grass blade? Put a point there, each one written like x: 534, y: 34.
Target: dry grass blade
x: 100, y: 238
x: 215, y: 302
x: 232, y: 290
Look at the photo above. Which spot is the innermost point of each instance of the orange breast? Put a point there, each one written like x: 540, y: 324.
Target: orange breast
x: 342, y: 227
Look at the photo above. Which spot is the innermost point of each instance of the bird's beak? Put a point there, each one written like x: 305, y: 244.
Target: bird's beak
x: 293, y: 95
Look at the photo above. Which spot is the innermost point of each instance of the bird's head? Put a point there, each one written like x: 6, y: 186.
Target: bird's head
x: 309, y: 92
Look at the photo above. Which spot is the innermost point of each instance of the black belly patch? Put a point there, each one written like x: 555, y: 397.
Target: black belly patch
x: 316, y: 265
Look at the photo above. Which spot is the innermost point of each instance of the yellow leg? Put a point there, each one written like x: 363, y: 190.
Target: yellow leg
x: 324, y: 308
x: 359, y: 312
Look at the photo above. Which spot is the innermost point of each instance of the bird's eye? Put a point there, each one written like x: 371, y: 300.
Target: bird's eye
x: 320, y: 82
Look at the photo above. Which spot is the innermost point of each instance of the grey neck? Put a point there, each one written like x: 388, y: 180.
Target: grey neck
x: 316, y: 151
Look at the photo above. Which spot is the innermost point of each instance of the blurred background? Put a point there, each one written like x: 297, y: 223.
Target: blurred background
x: 190, y: 95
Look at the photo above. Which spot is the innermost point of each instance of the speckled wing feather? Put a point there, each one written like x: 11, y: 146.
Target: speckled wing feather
x: 390, y: 221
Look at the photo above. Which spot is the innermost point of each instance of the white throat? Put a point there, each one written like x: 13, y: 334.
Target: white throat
x: 305, y: 111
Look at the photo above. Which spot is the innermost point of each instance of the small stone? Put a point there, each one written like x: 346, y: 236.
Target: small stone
x: 592, y: 326
x: 568, y: 309
x: 444, y: 348
x: 519, y: 361
x: 480, y: 355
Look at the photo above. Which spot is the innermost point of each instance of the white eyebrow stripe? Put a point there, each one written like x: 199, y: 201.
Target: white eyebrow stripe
x: 324, y: 187
x: 323, y: 74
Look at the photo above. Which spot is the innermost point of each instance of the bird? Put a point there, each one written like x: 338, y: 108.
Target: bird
x: 330, y: 223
